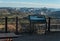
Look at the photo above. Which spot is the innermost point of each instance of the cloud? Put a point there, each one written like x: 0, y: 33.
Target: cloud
x: 27, y: 4
x: 52, y: 5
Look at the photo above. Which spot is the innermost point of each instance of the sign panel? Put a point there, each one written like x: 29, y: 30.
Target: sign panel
x: 35, y: 18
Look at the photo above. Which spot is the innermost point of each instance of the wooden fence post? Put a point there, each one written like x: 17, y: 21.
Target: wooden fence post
x: 49, y: 24
x: 6, y: 24
x: 16, y: 25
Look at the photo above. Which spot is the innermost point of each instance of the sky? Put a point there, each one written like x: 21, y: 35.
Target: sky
x: 30, y: 3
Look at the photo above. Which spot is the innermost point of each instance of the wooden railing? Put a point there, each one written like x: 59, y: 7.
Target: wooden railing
x: 17, y: 21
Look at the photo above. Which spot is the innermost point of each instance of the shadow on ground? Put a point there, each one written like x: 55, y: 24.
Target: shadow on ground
x: 52, y: 36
